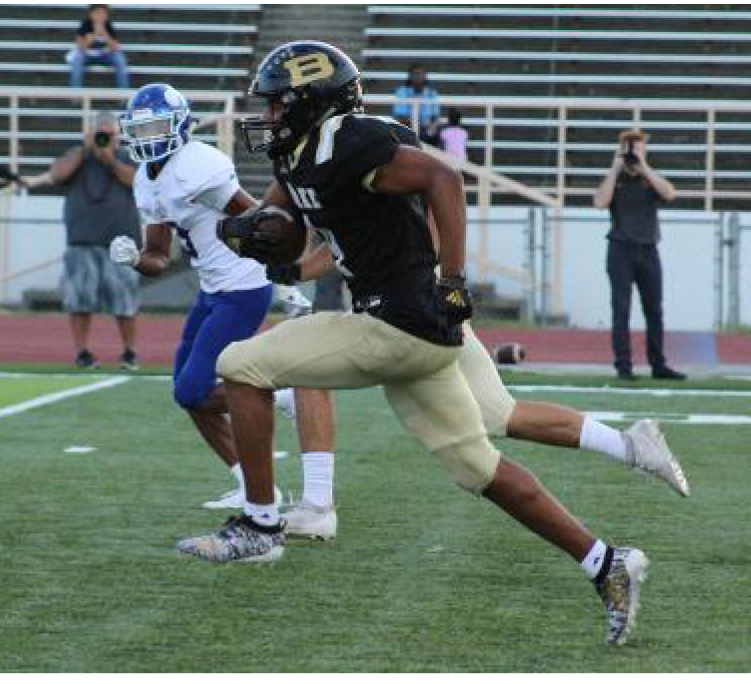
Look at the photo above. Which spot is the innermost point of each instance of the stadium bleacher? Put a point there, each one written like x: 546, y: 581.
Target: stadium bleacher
x: 185, y: 42
x: 196, y: 47
x: 571, y: 50
x: 531, y: 52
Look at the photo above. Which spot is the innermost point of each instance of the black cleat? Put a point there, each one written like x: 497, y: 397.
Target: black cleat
x: 87, y: 360
x: 627, y: 375
x: 129, y: 360
x: 667, y: 373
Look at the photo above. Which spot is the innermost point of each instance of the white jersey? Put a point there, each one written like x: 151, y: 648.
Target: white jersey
x: 189, y: 195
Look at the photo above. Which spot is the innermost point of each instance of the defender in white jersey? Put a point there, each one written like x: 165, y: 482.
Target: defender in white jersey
x: 185, y: 186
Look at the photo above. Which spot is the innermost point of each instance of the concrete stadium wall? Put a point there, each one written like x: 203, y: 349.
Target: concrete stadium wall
x: 687, y: 251
x: 32, y: 233
x: 32, y: 242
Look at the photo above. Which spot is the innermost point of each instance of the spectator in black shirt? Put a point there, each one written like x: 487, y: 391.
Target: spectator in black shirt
x: 632, y: 191
x: 96, y: 43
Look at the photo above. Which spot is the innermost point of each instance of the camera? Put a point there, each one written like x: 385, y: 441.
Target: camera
x: 102, y: 138
x: 629, y: 157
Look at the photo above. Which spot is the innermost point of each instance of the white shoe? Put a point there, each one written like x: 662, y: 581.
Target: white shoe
x: 648, y: 451
x: 312, y: 522
x: 235, y: 498
x: 284, y: 401
x: 295, y: 302
x: 619, y: 591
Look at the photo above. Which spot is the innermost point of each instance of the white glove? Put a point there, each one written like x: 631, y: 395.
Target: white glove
x: 295, y: 303
x: 124, y: 251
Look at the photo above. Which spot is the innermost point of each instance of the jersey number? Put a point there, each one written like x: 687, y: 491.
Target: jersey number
x: 186, y: 243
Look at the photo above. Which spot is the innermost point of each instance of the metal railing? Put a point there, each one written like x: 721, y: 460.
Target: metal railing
x: 15, y: 97
x: 561, y: 117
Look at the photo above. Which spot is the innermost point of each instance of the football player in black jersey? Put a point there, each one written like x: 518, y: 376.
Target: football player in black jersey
x: 363, y: 183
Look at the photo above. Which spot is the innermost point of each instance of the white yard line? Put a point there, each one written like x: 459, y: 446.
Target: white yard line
x: 654, y: 392
x: 65, y: 376
x: 61, y: 396
x: 695, y: 419
x: 684, y: 419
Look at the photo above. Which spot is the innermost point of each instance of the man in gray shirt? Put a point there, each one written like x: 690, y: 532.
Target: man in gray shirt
x: 632, y: 191
x: 99, y: 206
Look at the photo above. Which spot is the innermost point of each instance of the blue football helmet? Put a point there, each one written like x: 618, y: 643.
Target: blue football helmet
x: 156, y: 123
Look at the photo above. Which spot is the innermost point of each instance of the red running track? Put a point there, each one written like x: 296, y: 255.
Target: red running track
x: 45, y: 338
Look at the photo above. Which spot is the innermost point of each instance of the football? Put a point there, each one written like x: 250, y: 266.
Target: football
x: 289, y: 235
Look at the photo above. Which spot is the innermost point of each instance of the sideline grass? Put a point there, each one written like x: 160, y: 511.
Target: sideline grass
x: 422, y: 576
x: 14, y: 390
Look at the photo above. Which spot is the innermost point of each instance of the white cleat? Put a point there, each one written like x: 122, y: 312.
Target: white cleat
x: 311, y: 522
x: 619, y: 591
x: 235, y: 498
x: 284, y: 401
x: 295, y: 302
x: 648, y: 451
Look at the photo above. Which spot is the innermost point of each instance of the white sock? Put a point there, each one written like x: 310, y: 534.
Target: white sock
x: 596, y: 436
x: 264, y: 514
x: 237, y: 471
x: 318, y: 478
x: 594, y: 559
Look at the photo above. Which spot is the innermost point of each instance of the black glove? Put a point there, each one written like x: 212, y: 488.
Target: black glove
x: 284, y: 274
x: 245, y: 236
x: 454, y: 300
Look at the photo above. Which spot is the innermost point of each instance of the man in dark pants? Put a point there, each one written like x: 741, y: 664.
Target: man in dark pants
x: 632, y: 191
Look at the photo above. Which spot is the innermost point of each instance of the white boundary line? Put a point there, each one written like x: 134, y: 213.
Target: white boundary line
x: 563, y: 389
x: 679, y: 418
x: 654, y: 392
x: 61, y: 396
x: 616, y: 416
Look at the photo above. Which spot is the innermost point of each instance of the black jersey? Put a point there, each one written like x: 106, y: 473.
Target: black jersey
x: 381, y: 243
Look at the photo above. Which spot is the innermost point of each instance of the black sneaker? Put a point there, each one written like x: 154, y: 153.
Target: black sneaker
x: 667, y: 373
x: 129, y: 360
x: 627, y: 375
x: 86, y: 359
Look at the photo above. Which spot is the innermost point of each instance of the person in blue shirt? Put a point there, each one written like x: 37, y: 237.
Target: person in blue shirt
x: 429, y: 109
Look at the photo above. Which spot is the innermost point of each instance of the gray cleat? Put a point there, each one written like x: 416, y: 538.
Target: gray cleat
x: 240, y: 539
x: 648, y: 451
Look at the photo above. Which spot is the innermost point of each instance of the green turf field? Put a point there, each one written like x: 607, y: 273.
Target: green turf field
x: 14, y: 390
x: 421, y: 577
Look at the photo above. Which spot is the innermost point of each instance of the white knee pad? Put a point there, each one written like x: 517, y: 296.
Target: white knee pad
x: 472, y: 463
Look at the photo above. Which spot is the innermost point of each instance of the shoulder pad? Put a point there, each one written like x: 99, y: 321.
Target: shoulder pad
x: 341, y: 137
x: 196, y: 164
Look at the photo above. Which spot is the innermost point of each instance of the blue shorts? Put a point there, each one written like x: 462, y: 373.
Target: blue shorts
x: 215, y: 321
